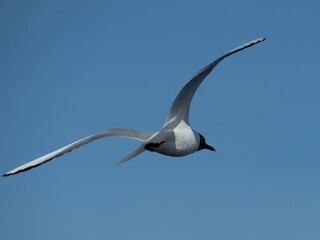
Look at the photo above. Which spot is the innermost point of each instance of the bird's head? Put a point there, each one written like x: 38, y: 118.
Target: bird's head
x: 204, y: 145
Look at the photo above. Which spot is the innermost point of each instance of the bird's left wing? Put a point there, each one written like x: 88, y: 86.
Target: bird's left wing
x: 180, y: 107
x: 114, y: 132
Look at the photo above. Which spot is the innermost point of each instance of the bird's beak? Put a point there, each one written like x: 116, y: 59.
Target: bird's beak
x: 210, y: 148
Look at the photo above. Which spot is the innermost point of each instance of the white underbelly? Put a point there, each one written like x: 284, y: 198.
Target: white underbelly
x: 184, y: 142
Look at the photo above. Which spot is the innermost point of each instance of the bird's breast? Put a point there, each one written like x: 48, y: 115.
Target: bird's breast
x: 183, y: 142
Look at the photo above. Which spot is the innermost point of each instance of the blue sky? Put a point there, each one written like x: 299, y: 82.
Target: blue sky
x: 73, y: 68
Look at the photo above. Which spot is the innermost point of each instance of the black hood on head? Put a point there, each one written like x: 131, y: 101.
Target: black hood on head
x: 204, y: 145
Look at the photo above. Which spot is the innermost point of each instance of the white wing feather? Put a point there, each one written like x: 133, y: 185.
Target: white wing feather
x: 114, y: 132
x: 180, y: 107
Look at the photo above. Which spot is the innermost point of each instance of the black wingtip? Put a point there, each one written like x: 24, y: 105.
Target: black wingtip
x: 259, y: 40
x: 8, y: 174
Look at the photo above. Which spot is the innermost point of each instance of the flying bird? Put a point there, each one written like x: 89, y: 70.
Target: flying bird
x: 176, y: 137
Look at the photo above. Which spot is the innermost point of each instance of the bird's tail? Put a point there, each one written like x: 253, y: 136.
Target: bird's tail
x: 134, y: 153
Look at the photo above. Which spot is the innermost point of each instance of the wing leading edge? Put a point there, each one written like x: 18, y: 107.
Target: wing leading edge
x: 114, y: 132
x: 180, y: 107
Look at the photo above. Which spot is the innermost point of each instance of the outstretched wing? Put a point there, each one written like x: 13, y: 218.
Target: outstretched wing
x: 180, y: 107
x: 114, y: 132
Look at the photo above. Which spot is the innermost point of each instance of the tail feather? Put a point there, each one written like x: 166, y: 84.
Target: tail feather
x: 134, y: 153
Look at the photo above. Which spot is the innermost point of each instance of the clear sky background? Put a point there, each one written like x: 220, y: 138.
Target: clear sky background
x: 73, y: 68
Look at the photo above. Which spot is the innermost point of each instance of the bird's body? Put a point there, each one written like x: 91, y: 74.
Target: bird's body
x: 176, y: 138
x: 177, y: 142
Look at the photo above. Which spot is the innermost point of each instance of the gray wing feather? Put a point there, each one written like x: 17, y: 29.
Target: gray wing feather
x: 114, y: 132
x: 180, y: 107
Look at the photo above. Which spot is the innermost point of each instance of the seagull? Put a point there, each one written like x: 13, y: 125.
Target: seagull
x: 176, y: 138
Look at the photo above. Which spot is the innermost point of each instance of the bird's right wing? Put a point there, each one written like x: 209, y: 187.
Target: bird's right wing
x: 180, y: 107
x: 114, y: 132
